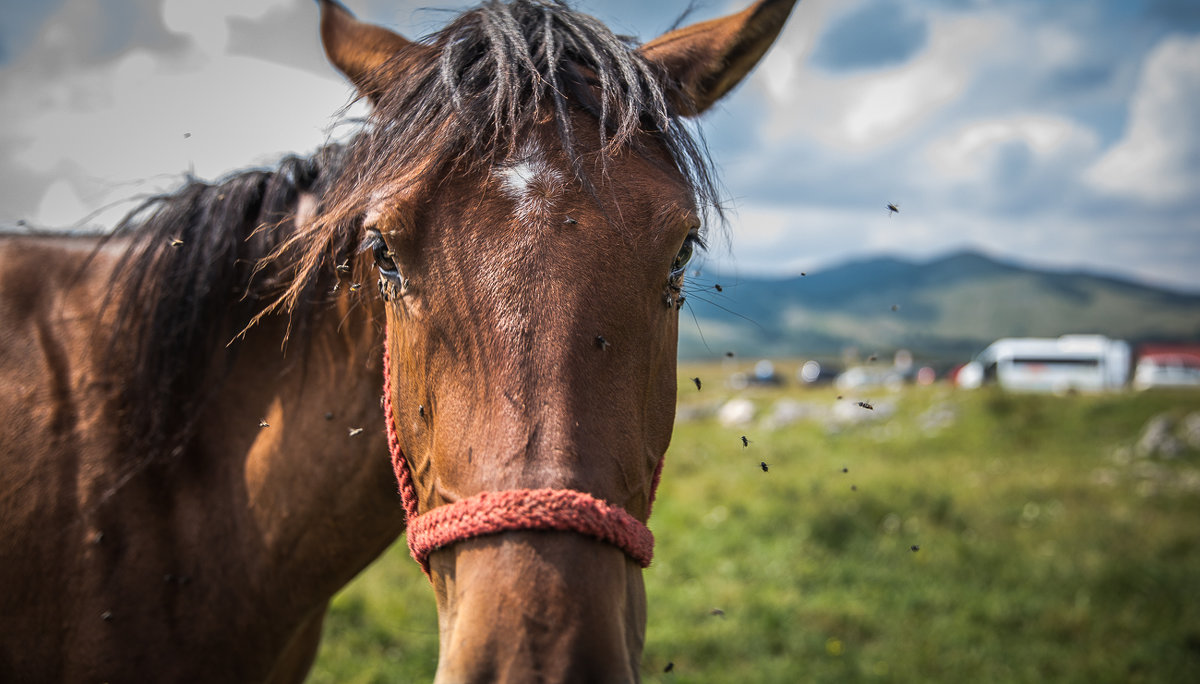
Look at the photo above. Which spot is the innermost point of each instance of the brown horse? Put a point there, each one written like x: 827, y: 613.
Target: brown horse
x: 177, y: 506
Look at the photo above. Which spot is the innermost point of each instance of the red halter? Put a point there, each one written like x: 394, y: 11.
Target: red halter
x: 565, y: 510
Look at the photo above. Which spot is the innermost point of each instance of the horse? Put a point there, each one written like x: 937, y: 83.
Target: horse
x: 196, y: 452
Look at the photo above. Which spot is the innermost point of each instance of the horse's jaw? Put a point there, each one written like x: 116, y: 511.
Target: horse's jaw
x: 538, y: 607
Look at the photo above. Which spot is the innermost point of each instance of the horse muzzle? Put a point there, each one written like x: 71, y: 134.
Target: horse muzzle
x: 562, y: 510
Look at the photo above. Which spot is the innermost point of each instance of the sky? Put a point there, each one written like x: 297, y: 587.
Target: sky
x: 1059, y: 134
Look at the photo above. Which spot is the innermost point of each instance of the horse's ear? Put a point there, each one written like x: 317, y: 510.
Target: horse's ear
x: 359, y: 50
x: 707, y: 60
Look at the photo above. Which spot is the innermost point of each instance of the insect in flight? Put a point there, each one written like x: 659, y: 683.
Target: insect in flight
x: 355, y: 432
x: 866, y: 406
x: 893, y: 208
x: 262, y: 423
x: 602, y: 343
x: 763, y: 465
x: 745, y: 441
x: 697, y: 381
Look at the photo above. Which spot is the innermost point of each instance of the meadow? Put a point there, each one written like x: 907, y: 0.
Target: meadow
x: 939, y: 536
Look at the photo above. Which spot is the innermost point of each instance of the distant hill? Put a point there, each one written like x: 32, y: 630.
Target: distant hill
x: 948, y: 308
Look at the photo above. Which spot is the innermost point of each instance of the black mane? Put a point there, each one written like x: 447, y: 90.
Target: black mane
x: 190, y: 280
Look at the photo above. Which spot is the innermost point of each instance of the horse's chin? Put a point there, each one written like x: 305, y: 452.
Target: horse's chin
x: 538, y: 607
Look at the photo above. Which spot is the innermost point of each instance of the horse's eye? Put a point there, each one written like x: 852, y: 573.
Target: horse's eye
x: 384, y: 256
x: 684, y: 255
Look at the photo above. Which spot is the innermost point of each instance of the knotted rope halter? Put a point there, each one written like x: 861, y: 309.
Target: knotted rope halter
x: 564, y: 510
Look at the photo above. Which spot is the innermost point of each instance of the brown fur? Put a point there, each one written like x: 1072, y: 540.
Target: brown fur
x: 150, y: 528
x: 212, y: 565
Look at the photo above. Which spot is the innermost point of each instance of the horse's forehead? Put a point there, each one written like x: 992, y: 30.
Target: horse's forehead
x: 533, y: 180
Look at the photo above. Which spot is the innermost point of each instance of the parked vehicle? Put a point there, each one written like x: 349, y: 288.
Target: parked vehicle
x: 1068, y: 363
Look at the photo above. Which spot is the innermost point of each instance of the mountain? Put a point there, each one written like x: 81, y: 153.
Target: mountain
x: 947, y: 308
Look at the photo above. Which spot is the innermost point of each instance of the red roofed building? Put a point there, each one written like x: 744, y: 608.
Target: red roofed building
x: 1167, y: 365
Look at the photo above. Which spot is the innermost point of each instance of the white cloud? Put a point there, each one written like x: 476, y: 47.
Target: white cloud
x: 102, y: 129
x: 1158, y: 159
x: 231, y: 112
x: 785, y: 240
x: 859, y: 111
x: 970, y: 153
x: 207, y: 23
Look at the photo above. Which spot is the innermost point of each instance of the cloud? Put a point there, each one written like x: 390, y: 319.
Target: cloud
x: 22, y: 21
x: 136, y: 124
x: 272, y: 36
x: 861, y: 111
x: 207, y: 23
x: 67, y: 35
x: 1158, y: 159
x: 977, y: 150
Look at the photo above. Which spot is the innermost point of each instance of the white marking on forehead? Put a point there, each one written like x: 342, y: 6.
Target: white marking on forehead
x: 532, y: 182
x: 518, y: 177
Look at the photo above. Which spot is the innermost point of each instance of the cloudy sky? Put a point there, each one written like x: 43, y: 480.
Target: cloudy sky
x: 1061, y: 134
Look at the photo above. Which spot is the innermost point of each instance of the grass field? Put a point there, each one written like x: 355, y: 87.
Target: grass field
x: 943, y: 536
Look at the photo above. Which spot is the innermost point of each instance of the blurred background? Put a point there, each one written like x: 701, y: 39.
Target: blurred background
x: 972, y: 420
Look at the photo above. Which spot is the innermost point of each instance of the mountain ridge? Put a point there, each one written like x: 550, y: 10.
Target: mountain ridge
x: 950, y: 306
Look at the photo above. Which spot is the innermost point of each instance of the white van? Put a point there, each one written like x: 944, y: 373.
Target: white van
x: 1087, y: 363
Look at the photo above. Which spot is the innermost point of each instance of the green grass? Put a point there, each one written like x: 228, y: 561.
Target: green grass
x: 1048, y: 549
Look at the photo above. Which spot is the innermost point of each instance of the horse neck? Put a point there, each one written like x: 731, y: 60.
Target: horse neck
x: 306, y: 421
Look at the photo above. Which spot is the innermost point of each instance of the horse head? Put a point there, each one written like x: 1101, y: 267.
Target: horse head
x: 530, y: 191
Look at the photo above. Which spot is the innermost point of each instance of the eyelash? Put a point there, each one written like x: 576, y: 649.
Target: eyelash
x: 686, y: 252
